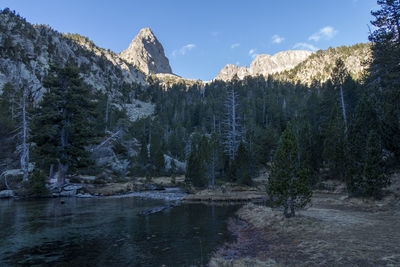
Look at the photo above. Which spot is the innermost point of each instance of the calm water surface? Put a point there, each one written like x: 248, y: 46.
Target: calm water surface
x: 108, y: 232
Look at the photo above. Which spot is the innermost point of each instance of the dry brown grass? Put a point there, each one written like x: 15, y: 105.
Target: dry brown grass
x: 334, y: 231
x: 228, y: 193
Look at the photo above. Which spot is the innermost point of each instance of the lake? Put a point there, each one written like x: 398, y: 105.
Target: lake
x: 108, y: 232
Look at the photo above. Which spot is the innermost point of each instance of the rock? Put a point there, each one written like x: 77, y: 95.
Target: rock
x: 139, y: 109
x: 6, y: 194
x: 40, y: 46
x: 67, y: 193
x: 229, y: 71
x: 87, y: 195
x: 156, y: 209
x: 153, y: 187
x: 265, y: 65
x: 147, y: 53
x: 72, y: 187
x: 179, y: 165
x: 286, y: 60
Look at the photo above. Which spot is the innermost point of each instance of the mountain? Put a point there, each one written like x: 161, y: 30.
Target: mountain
x: 265, y: 65
x: 147, y: 53
x: 27, y: 51
x: 319, y: 65
x: 302, y: 66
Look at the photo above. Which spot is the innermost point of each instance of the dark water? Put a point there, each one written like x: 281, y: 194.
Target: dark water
x: 108, y: 232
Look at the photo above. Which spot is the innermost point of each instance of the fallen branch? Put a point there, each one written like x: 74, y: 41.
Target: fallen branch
x: 106, y: 141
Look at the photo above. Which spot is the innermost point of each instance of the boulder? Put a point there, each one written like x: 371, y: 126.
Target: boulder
x: 6, y: 194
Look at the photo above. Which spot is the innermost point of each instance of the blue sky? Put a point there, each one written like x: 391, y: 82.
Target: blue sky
x: 200, y: 37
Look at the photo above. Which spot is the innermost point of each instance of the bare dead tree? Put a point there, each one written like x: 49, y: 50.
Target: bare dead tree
x: 232, y: 132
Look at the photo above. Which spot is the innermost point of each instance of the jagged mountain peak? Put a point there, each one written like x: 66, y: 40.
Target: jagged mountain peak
x: 147, y: 53
x: 265, y: 64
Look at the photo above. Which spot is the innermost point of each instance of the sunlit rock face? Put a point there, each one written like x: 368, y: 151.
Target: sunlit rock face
x: 265, y: 64
x: 147, y: 53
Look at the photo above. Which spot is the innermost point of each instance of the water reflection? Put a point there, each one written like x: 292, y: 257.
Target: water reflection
x: 109, y: 232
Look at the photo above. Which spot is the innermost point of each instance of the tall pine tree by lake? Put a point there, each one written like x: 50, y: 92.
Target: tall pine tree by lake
x: 288, y: 184
x: 63, y: 125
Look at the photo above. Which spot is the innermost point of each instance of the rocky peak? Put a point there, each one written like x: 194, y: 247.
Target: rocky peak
x: 147, y: 53
x: 285, y: 60
x: 265, y: 65
x: 229, y: 71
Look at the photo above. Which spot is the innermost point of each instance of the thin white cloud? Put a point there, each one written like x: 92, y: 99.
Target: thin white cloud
x: 276, y: 39
x: 235, y: 45
x: 305, y: 46
x: 252, y: 53
x: 325, y: 33
x: 183, y: 50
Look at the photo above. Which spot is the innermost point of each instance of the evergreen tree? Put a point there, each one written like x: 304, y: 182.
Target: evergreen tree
x: 384, y: 70
x: 197, y: 165
x: 288, y: 184
x: 334, y: 145
x: 62, y: 127
x: 7, y: 124
x: 156, y: 150
x: 214, y: 158
x: 242, y: 166
x: 374, y: 174
x: 364, y: 121
x: 339, y: 77
x: 142, y: 160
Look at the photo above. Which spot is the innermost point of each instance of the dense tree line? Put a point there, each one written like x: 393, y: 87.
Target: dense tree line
x: 225, y: 131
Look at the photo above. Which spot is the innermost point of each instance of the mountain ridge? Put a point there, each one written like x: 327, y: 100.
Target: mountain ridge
x: 265, y: 64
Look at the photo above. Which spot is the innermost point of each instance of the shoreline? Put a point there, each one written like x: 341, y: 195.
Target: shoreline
x: 334, y: 231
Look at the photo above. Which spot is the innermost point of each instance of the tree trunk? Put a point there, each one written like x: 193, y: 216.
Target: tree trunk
x: 285, y: 209
x: 343, y: 109
x: 25, y: 148
x: 51, y: 171
x: 292, y: 211
x: 213, y: 172
x: 62, y: 173
x: 106, y: 118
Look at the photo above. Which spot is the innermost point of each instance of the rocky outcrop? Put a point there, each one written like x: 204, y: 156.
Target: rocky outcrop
x: 6, y: 194
x: 147, y: 53
x: 286, y: 60
x: 319, y: 65
x: 229, y: 71
x: 27, y: 51
x: 265, y: 65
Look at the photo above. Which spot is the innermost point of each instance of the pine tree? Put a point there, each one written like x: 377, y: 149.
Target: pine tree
x: 7, y: 123
x: 142, y: 159
x: 339, y: 77
x: 334, y: 145
x: 241, y: 166
x: 375, y: 178
x: 364, y: 121
x: 197, y: 165
x: 214, y: 153
x: 384, y: 70
x: 288, y: 184
x: 62, y: 127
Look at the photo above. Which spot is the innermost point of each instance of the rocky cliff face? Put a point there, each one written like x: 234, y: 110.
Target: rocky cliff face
x: 265, y: 65
x: 229, y: 71
x: 319, y: 65
x: 147, y: 53
x: 286, y: 60
x: 27, y: 51
x: 302, y: 66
